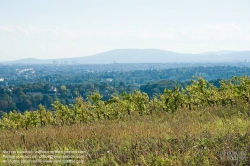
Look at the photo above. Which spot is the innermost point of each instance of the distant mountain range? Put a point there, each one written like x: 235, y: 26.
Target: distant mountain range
x: 143, y: 56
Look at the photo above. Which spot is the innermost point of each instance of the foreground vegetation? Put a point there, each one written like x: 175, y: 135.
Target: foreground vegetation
x: 198, y: 125
x: 182, y: 138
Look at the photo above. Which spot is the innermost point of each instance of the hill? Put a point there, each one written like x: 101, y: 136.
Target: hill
x: 145, y: 56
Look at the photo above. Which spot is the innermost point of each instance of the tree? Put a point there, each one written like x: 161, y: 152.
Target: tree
x: 3, y: 105
x: 36, y: 100
x: 63, y: 91
x: 122, y: 87
x: 47, y: 101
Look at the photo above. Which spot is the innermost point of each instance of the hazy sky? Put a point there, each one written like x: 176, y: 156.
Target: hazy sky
x: 48, y: 29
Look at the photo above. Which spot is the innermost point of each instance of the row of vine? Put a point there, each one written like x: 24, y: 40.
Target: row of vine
x: 200, y: 93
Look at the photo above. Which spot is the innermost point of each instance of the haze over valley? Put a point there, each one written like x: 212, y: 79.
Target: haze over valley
x: 144, y: 56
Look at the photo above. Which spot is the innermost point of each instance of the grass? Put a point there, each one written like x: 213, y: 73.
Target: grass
x: 182, y: 138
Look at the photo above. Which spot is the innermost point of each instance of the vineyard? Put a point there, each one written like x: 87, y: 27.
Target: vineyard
x: 183, y: 126
x: 198, y: 95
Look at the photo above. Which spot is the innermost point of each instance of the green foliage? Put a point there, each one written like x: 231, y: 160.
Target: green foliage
x: 199, y: 94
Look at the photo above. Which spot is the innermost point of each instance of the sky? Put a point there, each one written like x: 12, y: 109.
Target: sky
x: 48, y: 29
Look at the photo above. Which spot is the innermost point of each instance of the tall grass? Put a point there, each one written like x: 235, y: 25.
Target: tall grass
x: 181, y: 138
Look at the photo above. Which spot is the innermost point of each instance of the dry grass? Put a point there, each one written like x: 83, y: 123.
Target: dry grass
x: 181, y: 138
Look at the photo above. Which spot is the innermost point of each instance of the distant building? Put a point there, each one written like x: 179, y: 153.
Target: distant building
x: 51, y: 92
x: 52, y: 89
x: 34, y: 93
x: 109, y: 79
